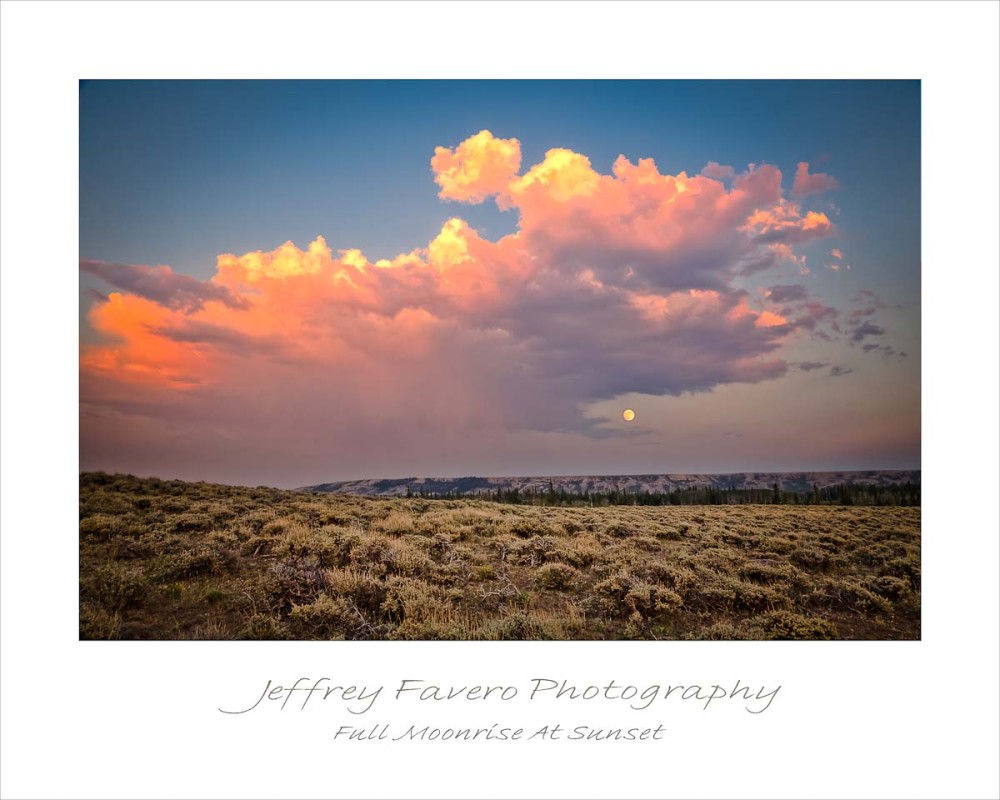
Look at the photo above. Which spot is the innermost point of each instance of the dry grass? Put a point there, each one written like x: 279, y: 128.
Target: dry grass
x: 172, y: 560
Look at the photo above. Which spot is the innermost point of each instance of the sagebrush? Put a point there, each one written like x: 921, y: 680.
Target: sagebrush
x: 173, y: 560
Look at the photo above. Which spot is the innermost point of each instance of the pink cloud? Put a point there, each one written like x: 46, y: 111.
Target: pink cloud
x: 806, y: 184
x: 612, y: 283
x: 717, y: 171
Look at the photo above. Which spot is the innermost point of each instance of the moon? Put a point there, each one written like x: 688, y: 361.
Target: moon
x: 628, y: 414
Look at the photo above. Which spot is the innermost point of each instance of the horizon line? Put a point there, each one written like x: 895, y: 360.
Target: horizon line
x: 497, y: 477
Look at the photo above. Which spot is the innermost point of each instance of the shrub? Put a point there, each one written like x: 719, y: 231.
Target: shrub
x: 326, y: 617
x: 625, y: 594
x: 650, y: 600
x: 540, y: 549
x: 294, y: 581
x: 174, y: 590
x: 516, y: 626
x: 200, y: 560
x: 330, y: 545
x: 788, y: 625
x: 96, y: 623
x: 115, y: 587
x: 674, y: 576
x: 107, y: 526
x: 527, y: 528
x: 409, y: 599
x: 555, y: 576
x: 396, y: 524
x: 857, y: 598
x: 191, y: 523
x: 363, y: 591
x: 720, y: 632
x: 214, y: 596
x: 580, y: 551
x: 761, y: 572
x: 811, y: 558
x: 262, y: 626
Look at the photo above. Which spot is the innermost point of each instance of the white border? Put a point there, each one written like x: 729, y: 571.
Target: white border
x: 855, y: 719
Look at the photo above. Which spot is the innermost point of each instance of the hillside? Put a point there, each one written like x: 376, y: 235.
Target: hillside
x: 579, y: 484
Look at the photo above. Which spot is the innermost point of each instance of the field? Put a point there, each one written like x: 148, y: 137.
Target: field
x: 173, y: 560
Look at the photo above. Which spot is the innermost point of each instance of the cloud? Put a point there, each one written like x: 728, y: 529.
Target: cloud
x: 163, y: 285
x: 887, y: 350
x: 837, y: 253
x: 809, y: 366
x: 784, y: 223
x: 784, y: 293
x: 806, y: 184
x: 866, y: 303
x: 717, y: 171
x: 631, y: 281
x: 480, y: 166
x: 860, y: 332
x: 218, y: 336
x: 860, y: 323
x: 800, y: 309
x: 836, y: 372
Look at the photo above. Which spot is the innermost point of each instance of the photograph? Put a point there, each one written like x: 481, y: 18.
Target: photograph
x: 512, y: 399
x: 500, y: 359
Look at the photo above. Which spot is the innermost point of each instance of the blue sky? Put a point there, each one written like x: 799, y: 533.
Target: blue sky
x: 268, y: 161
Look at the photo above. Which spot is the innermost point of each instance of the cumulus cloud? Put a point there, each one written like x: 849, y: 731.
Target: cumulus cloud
x: 806, y: 183
x: 480, y: 166
x: 612, y: 283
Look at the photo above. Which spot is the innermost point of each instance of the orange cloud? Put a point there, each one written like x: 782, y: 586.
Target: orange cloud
x: 136, y: 353
x: 612, y: 283
x: 784, y: 223
x: 768, y: 319
x: 561, y: 177
x: 480, y: 166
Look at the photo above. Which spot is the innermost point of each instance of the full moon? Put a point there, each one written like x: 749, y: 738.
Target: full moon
x: 629, y: 414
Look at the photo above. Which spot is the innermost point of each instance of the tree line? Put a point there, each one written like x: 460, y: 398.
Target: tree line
x: 843, y: 494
